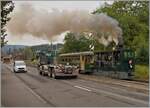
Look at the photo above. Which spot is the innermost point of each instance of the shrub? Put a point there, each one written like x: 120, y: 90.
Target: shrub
x: 142, y: 72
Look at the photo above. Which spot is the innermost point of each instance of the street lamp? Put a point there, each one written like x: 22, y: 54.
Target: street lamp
x: 113, y: 48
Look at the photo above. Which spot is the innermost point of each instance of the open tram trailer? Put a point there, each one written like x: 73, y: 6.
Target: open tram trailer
x: 47, y: 66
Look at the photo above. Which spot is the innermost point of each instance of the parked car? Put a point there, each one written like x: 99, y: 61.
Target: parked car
x: 6, y: 60
x: 19, y: 66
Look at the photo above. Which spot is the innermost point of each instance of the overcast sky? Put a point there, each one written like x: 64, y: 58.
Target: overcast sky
x: 48, y: 5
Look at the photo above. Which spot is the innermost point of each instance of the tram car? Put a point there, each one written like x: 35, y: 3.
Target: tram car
x: 83, y: 60
x: 117, y: 63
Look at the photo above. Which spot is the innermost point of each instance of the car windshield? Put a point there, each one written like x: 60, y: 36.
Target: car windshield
x: 19, y: 63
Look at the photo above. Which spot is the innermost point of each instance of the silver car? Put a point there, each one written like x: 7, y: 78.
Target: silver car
x: 19, y: 66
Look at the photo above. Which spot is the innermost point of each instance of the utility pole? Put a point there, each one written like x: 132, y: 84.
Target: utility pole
x: 92, y: 44
x: 51, y: 46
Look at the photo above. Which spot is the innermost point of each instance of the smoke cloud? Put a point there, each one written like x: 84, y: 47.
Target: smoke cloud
x: 28, y: 20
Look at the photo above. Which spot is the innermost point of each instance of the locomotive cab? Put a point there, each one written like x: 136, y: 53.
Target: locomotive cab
x: 129, y: 61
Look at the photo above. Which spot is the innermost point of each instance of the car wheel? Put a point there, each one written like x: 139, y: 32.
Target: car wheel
x: 44, y: 74
x: 40, y: 72
x: 49, y: 74
x: 53, y: 75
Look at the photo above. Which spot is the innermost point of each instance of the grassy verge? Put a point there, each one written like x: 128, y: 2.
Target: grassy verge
x: 31, y: 63
x: 142, y: 72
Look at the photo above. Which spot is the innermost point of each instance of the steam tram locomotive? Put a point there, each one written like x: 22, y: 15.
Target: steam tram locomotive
x: 117, y: 64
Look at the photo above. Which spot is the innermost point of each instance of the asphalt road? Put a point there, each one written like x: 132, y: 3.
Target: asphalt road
x: 32, y: 90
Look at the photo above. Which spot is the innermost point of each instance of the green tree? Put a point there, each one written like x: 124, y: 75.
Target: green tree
x: 133, y: 17
x: 28, y: 53
x: 6, y: 8
x: 80, y: 42
x: 75, y: 43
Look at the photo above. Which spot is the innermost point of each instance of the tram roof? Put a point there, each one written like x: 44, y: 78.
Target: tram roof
x: 112, y: 51
x: 78, y: 53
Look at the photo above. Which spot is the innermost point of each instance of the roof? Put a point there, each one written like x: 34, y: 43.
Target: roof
x: 19, y: 61
x: 76, y: 54
x: 111, y: 51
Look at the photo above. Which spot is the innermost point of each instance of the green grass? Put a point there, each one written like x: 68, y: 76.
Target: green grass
x: 31, y: 63
x: 142, y: 72
x: 34, y: 62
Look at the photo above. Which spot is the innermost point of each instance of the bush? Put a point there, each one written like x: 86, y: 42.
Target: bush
x: 34, y: 62
x: 142, y: 72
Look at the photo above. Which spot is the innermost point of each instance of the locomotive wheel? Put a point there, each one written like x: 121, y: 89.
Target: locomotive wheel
x: 79, y: 71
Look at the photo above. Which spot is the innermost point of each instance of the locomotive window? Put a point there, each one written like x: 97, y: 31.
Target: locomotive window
x: 118, y: 56
x: 65, y: 59
x: 125, y: 54
x: 109, y: 57
x: 96, y: 57
x: 128, y: 54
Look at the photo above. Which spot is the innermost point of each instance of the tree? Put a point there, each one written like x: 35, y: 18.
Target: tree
x: 75, y: 43
x: 6, y: 8
x: 28, y: 53
x: 133, y: 17
x: 80, y: 42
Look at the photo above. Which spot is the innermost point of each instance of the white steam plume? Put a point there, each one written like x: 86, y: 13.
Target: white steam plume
x: 27, y: 20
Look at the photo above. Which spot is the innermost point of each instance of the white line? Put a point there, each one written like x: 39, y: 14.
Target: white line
x: 118, y: 95
x: 35, y: 94
x: 82, y: 88
x: 110, y: 93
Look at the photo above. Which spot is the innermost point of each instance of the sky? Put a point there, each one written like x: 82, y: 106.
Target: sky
x: 48, y: 5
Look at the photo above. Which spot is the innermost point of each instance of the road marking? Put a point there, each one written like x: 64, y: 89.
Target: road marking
x: 118, y: 95
x: 82, y: 88
x: 96, y: 90
x: 109, y: 93
x: 40, y: 97
x: 119, y: 89
x: 35, y: 94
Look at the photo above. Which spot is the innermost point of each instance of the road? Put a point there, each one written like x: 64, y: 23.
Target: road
x: 32, y: 90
